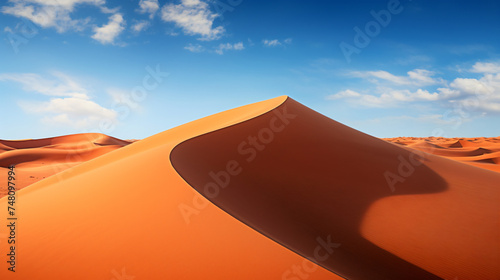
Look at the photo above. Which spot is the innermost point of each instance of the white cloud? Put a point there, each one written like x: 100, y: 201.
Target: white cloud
x: 108, y: 32
x: 486, y: 67
x: 140, y: 26
x: 108, y: 10
x: 149, y: 7
x: 73, y: 112
x: 271, y: 43
x: 388, y: 97
x: 51, y: 13
x: 276, y: 42
x: 69, y: 104
x: 417, y: 77
x: 194, y: 17
x: 344, y: 94
x: 480, y: 95
x: 223, y: 47
x: 120, y: 96
x: 194, y: 48
x: 63, y: 85
x: 7, y: 30
x: 60, y: 3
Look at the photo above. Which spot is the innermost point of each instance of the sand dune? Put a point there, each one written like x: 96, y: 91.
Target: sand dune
x: 119, y: 215
x: 481, y: 152
x: 252, y: 192
x: 41, y: 158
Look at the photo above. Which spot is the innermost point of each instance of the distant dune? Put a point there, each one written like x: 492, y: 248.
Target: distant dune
x: 480, y: 151
x: 263, y: 191
x: 40, y: 158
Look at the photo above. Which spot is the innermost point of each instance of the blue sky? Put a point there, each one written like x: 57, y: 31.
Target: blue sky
x: 134, y: 68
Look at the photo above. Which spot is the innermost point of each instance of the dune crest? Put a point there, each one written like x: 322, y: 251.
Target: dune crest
x: 119, y: 215
x: 314, y: 178
x: 270, y: 190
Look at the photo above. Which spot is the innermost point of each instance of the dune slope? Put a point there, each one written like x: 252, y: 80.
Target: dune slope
x: 129, y: 214
x: 297, y: 176
x: 253, y: 193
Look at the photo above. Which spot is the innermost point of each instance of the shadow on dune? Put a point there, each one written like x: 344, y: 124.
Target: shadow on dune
x: 299, y: 177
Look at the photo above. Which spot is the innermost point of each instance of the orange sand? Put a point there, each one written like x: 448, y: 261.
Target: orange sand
x: 248, y: 194
x: 42, y: 158
x: 480, y: 151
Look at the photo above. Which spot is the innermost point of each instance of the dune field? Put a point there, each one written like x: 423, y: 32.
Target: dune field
x: 480, y: 151
x: 41, y: 158
x: 270, y: 190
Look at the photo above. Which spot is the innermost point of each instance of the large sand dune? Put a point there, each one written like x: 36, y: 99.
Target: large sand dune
x: 252, y: 192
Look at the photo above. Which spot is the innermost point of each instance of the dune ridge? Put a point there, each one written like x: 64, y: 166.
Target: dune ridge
x: 132, y: 224
x: 318, y: 177
x: 263, y: 191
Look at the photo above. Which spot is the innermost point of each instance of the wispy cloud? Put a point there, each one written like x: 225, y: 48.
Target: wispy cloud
x: 271, y: 43
x: 69, y: 103
x: 71, y: 112
x: 276, y: 42
x: 417, y: 77
x: 481, y: 95
x: 196, y: 48
x: 121, y: 96
x: 107, y: 33
x: 413, y: 59
x: 224, y: 47
x: 389, y: 97
x: 468, y: 49
x: 344, y: 94
x: 149, y: 7
x: 194, y: 17
x: 140, y: 26
x: 52, y: 13
x: 62, y: 85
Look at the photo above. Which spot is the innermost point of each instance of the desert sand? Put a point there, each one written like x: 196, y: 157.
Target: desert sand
x: 480, y: 151
x: 41, y: 158
x: 252, y: 193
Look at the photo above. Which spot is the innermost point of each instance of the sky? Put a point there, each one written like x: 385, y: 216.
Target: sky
x: 134, y: 68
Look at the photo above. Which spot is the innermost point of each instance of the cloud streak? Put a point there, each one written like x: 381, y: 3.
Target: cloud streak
x: 52, y: 13
x: 276, y: 42
x: 417, y: 77
x: 479, y: 95
x: 196, y: 48
x: 225, y: 47
x: 69, y: 103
